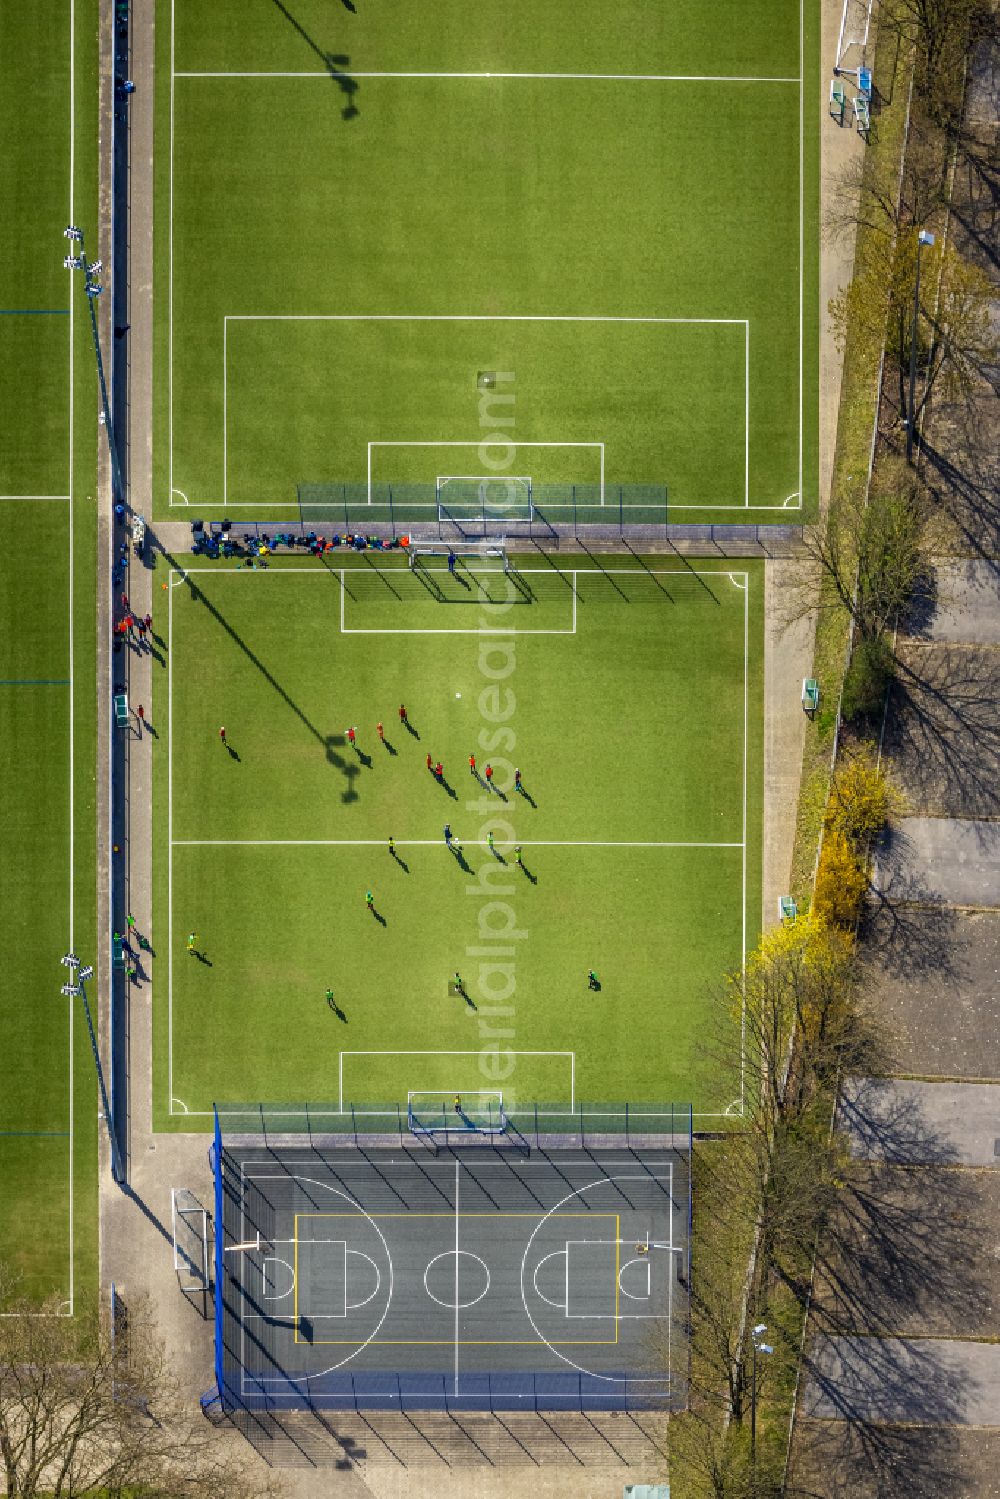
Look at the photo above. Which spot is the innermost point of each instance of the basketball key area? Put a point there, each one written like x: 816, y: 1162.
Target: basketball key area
x: 481, y: 1278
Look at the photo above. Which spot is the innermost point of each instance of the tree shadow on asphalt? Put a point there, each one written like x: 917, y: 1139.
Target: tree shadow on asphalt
x: 895, y: 1263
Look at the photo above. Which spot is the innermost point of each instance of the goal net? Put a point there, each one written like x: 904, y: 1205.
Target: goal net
x: 464, y: 497
x: 480, y: 1113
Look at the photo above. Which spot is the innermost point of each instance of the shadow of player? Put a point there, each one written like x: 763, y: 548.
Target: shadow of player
x: 232, y: 753
x: 391, y: 748
x: 332, y: 1003
x: 410, y: 729
x: 379, y: 917
x: 528, y: 874
x: 448, y: 787
x: 365, y: 760
x: 527, y: 797
x: 202, y: 958
x: 463, y: 862
x: 401, y: 862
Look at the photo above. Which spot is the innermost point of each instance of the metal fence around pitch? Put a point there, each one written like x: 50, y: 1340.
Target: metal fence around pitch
x: 580, y: 512
x: 536, y: 1125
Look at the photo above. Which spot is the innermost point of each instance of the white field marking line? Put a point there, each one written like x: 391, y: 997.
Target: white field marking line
x: 273, y: 505
x: 478, y: 444
x: 460, y: 317
x: 180, y: 573
x: 571, y: 77
x: 436, y: 1053
x: 41, y: 496
x: 614, y: 1379
x: 177, y: 575
x: 457, y: 1169
x: 746, y: 418
x: 418, y: 843
x: 647, y: 77
x: 72, y: 672
x: 225, y: 410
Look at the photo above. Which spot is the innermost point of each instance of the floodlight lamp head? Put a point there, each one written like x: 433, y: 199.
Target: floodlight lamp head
x: 70, y: 960
x: 72, y: 232
x: 925, y: 237
x: 70, y: 990
x: 760, y: 1329
x: 96, y: 267
x: 85, y: 973
x: 94, y: 290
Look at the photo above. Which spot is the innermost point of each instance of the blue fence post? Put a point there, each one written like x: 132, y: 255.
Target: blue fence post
x: 219, y: 1257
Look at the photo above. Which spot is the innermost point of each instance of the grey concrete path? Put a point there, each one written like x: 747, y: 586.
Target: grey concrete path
x: 937, y: 1381
x: 917, y: 1123
x: 940, y: 859
x: 968, y: 603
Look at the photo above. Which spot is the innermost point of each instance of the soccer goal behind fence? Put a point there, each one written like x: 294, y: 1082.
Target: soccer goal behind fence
x: 474, y: 505
x: 487, y: 551
x: 444, y: 1114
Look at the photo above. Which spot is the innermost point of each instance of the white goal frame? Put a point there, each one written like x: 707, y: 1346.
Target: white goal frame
x: 485, y: 548
x: 515, y: 506
x: 439, y: 1118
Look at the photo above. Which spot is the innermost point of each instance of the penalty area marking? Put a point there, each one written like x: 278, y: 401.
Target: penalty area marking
x: 478, y: 444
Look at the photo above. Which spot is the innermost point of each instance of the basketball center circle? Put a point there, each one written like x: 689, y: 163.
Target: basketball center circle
x: 450, y: 1276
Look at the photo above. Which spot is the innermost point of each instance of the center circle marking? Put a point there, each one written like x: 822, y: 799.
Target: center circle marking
x: 450, y: 1276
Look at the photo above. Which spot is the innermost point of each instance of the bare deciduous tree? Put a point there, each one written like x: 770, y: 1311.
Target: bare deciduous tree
x: 80, y: 1416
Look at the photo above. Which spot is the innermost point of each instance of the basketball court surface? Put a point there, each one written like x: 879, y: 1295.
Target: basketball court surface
x: 474, y: 1278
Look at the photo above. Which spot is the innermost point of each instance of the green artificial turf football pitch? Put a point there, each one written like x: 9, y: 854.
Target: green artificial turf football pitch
x: 362, y: 213
x: 48, y: 1090
x: 626, y: 689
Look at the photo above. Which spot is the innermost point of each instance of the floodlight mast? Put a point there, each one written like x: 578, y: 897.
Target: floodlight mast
x: 758, y: 1346
x: 923, y: 238
x: 76, y: 989
x: 93, y: 289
